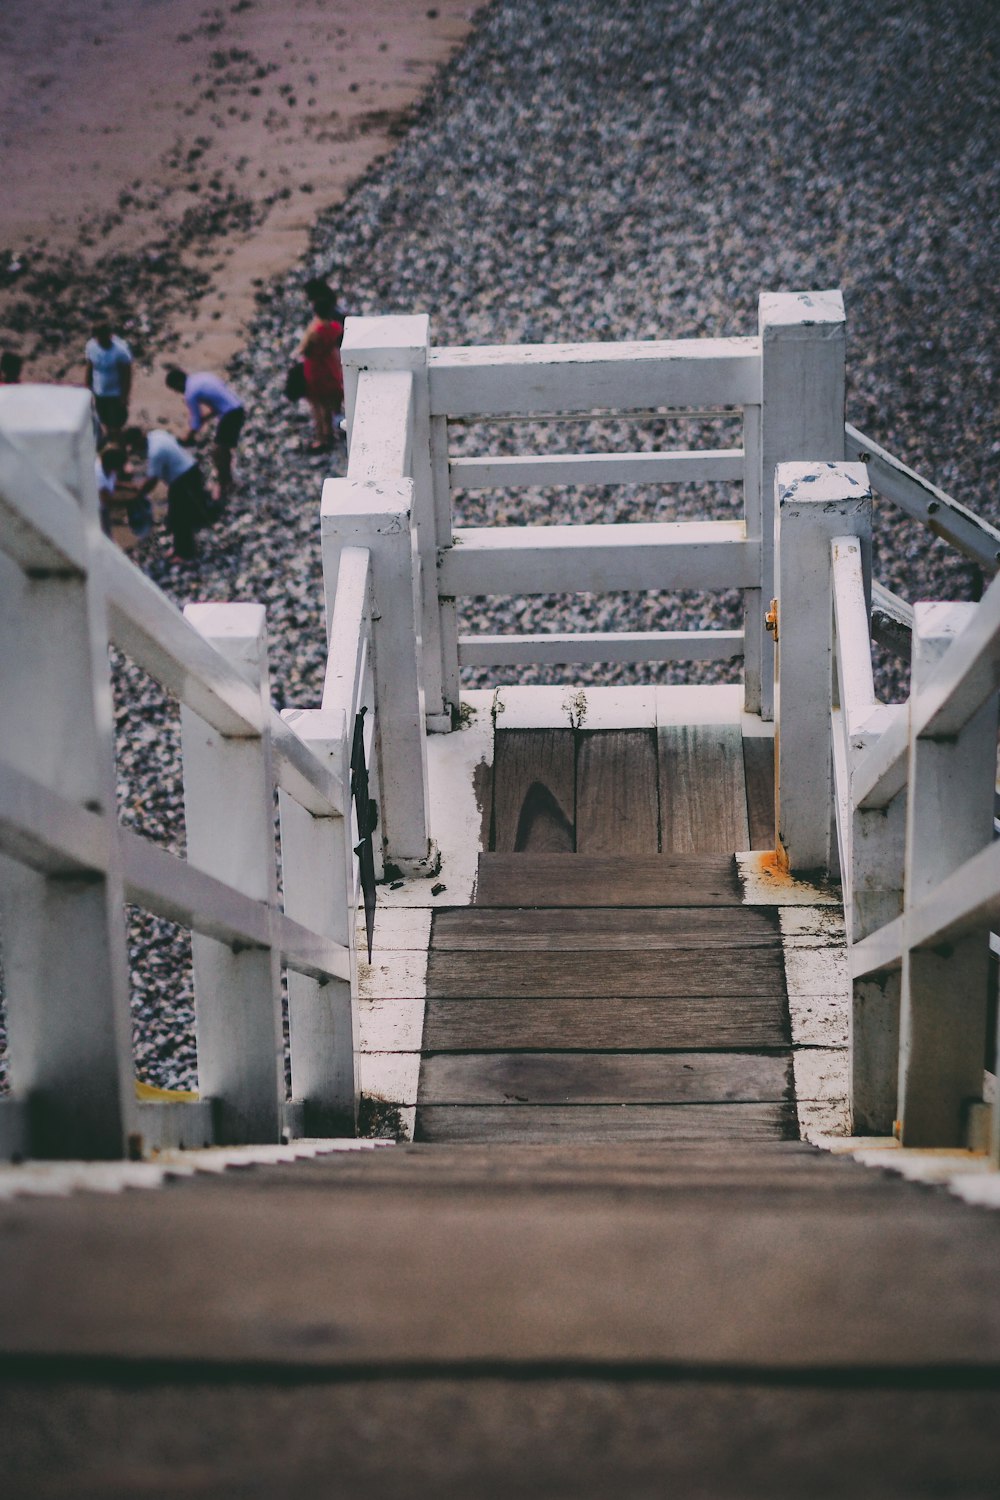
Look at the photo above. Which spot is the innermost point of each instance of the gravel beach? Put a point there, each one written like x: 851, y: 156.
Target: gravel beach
x: 581, y: 171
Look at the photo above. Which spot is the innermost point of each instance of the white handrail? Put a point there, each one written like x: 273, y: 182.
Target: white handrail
x: 58, y: 817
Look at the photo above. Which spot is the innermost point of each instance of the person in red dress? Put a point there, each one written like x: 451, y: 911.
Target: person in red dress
x: 320, y: 355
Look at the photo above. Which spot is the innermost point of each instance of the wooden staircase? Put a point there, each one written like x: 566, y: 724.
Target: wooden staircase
x: 733, y: 1319
x: 606, y: 1267
x: 609, y: 983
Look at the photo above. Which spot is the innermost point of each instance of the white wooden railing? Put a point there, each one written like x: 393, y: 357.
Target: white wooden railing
x: 67, y: 866
x: 900, y: 800
x: 786, y: 384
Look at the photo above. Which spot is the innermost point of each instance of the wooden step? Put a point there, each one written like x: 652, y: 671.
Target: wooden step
x: 564, y: 880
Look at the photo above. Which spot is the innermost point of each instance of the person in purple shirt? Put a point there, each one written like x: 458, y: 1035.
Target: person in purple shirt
x: 208, y: 398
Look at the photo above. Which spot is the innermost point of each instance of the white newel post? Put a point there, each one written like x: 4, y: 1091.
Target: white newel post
x: 376, y: 515
x: 64, y: 951
x: 229, y: 812
x: 317, y: 868
x: 802, y: 337
x: 949, y: 819
x: 398, y: 343
x: 815, y: 502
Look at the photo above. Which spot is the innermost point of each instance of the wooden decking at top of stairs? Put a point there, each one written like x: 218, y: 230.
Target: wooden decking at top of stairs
x: 609, y: 983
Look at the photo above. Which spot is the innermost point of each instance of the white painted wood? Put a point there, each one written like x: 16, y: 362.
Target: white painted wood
x: 40, y: 526
x: 389, y: 397
x: 376, y: 515
x: 183, y: 1124
x: 953, y: 692
x: 765, y: 882
x: 758, y: 644
x: 382, y: 426
x: 574, y: 708
x: 153, y: 632
x: 489, y: 380
x: 229, y: 812
x: 949, y: 820
x: 491, y: 471
x: 65, y: 968
x: 872, y: 850
x: 318, y: 877
x: 458, y: 767
x: 48, y: 832
x: 802, y: 343
x: 924, y: 501
x: 855, y: 679
x: 451, y: 686
x: 599, y: 559
x: 392, y: 973
x: 391, y: 1024
x: 815, y: 504
x: 600, y: 646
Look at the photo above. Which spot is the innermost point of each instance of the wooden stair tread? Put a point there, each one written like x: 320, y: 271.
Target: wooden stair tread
x: 554, y: 880
x: 639, y: 1022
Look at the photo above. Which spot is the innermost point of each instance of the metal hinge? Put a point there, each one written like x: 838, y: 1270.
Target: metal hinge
x: 771, y: 620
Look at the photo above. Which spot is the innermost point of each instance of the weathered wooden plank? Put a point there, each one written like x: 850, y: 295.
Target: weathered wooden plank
x: 604, y: 1078
x: 703, y: 1022
x: 703, y: 801
x: 758, y: 768
x: 534, y: 790
x: 681, y: 971
x: 715, y: 927
x: 607, y: 880
x: 617, y: 801
x: 589, y: 1436
x: 597, y: 1123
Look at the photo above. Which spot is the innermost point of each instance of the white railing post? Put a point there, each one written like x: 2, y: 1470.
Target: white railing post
x: 376, y: 515
x: 802, y: 338
x: 451, y: 681
x: 949, y: 819
x: 815, y: 502
x: 871, y: 847
x: 397, y: 343
x: 64, y: 951
x: 229, y: 814
x: 317, y: 867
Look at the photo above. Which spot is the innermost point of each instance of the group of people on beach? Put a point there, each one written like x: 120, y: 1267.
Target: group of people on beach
x: 159, y: 457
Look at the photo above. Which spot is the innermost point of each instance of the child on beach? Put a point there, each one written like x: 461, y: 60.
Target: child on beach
x: 209, y: 398
x: 320, y: 355
x: 109, y: 468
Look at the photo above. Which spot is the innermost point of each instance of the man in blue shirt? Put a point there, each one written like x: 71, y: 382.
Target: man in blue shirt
x: 109, y: 374
x: 189, y: 507
x: 208, y: 398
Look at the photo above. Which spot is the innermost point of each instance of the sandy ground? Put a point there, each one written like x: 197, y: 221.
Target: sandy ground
x: 167, y: 157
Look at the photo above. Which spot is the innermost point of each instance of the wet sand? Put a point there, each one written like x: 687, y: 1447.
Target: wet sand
x: 166, y: 159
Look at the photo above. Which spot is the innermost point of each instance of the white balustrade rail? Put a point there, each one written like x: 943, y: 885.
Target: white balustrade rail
x: 786, y: 384
x: 67, y: 867
x: 908, y: 793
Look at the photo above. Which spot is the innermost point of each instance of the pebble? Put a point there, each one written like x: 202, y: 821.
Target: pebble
x: 581, y: 171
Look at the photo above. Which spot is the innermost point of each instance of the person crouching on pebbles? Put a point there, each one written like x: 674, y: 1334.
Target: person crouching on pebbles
x: 208, y: 398
x: 189, y: 506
